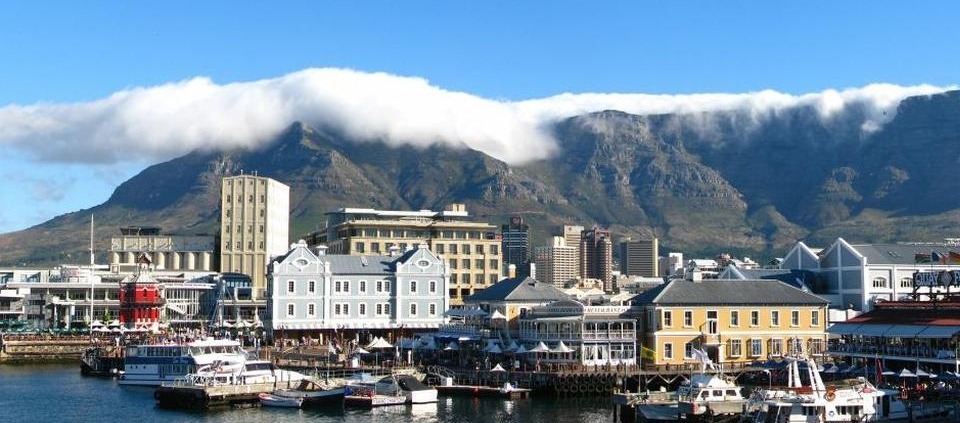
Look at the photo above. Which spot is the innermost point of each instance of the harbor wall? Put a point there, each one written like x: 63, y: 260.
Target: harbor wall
x: 21, y: 349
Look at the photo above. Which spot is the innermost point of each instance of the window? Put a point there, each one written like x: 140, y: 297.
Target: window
x: 756, y: 347
x: 776, y: 347
x: 311, y: 310
x: 465, y: 263
x: 228, y: 198
x: 363, y: 287
x: 413, y: 286
x: 439, y: 248
x: 493, y: 279
x: 290, y: 310
x: 386, y: 308
x: 263, y: 198
x: 346, y: 286
x: 495, y: 250
x: 312, y: 286
x: 713, y: 322
x: 478, y: 263
x: 228, y: 212
x: 433, y: 309
x: 754, y: 318
x: 816, y: 346
x: 688, y: 350
x: 774, y: 318
x: 734, y: 318
x: 668, y: 351
x: 479, y: 248
x: 466, y: 249
x: 290, y: 286
x: 337, y: 309
x: 413, y: 309
x: 358, y: 247
x: 363, y: 309
x: 337, y: 286
x: 453, y: 264
x: 261, y: 228
x: 386, y: 286
x: 815, y: 318
x: 687, y: 318
x: 379, y: 309
x: 879, y: 282
x: 466, y: 278
x: 453, y: 249
x: 794, y: 318
x: 494, y: 264
x: 433, y: 287
x: 379, y: 286
x: 736, y: 348
x: 906, y: 283
x: 667, y: 318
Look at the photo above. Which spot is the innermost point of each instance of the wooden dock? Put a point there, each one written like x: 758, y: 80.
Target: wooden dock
x: 203, y: 397
x: 484, y: 391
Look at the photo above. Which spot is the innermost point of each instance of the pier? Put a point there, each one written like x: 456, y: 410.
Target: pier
x: 204, y: 397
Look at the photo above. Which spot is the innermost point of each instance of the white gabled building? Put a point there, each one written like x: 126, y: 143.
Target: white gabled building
x: 856, y: 276
x: 311, y: 293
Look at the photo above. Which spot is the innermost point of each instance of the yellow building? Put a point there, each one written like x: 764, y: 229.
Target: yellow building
x: 733, y: 321
x: 472, y: 249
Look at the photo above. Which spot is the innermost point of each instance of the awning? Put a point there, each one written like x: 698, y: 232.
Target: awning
x: 868, y: 329
x: 904, y: 331
x: 939, y: 332
x: 843, y: 328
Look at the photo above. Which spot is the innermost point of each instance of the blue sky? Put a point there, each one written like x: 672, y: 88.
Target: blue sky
x: 73, y: 55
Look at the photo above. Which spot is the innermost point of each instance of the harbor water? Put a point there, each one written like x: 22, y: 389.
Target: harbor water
x: 58, y: 393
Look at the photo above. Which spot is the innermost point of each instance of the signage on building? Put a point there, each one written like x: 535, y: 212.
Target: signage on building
x: 945, y: 278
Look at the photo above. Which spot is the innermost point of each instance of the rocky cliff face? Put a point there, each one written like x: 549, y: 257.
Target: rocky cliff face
x: 702, y: 183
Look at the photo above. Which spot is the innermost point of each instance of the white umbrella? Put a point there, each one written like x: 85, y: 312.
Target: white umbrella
x: 498, y: 368
x: 359, y: 350
x: 906, y: 373
x: 497, y: 315
x: 96, y: 323
x: 921, y: 373
x: 379, y: 343
x: 452, y: 346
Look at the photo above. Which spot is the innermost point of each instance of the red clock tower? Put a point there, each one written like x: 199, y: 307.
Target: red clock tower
x: 140, y: 298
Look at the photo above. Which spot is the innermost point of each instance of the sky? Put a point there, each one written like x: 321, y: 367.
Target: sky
x: 91, y: 93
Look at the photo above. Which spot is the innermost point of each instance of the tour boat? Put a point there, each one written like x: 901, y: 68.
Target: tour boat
x: 405, y: 386
x: 855, y: 400
x: 313, y: 394
x: 208, y: 361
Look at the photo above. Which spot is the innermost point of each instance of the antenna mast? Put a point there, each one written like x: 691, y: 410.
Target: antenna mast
x: 92, y: 261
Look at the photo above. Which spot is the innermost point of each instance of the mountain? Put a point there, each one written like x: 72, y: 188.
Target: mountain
x: 704, y: 183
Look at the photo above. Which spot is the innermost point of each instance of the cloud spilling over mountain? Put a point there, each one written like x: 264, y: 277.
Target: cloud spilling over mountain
x: 165, y: 121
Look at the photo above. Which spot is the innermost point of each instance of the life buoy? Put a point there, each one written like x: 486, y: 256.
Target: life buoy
x: 830, y: 396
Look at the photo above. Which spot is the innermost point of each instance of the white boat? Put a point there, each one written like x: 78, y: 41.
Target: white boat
x: 269, y: 400
x: 853, y: 401
x: 710, y: 394
x: 405, y: 386
x: 208, y: 361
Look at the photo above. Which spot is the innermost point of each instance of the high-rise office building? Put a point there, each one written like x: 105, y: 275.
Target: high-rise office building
x: 596, y: 256
x: 472, y: 249
x: 556, y: 263
x: 571, y: 235
x: 516, y: 244
x: 254, y: 226
x: 640, y: 258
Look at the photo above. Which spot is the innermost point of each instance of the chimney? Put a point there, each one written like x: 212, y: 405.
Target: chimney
x: 533, y: 270
x: 512, y: 271
x: 393, y: 250
x: 321, y: 250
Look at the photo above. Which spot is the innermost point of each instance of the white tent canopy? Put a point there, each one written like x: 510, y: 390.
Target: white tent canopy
x: 360, y: 351
x: 379, y: 343
x: 906, y: 373
x: 497, y: 315
x: 562, y: 348
x: 541, y: 347
x: 498, y: 368
x: 452, y: 346
x: 520, y: 350
x: 493, y: 349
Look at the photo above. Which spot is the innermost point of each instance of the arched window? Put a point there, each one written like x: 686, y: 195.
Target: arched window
x: 879, y: 282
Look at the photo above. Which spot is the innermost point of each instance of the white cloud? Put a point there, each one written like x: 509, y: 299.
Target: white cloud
x: 169, y: 120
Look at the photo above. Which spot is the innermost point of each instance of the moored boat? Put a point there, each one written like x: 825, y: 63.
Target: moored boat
x: 270, y: 400
x: 314, y: 394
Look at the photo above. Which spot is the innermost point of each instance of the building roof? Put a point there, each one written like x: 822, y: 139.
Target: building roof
x: 516, y: 289
x: 717, y: 291
x: 904, y: 254
x: 914, y: 313
x: 794, y: 277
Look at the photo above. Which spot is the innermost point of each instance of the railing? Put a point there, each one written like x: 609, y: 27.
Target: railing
x: 894, y: 350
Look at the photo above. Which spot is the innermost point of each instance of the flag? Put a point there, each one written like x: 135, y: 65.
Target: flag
x: 938, y: 258
x: 954, y: 258
x: 648, y: 353
x: 701, y: 356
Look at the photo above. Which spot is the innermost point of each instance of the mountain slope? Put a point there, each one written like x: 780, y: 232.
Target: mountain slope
x: 702, y: 183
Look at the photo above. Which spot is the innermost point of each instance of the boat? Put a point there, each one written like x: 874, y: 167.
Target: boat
x: 313, y: 394
x: 406, y: 386
x: 270, y: 400
x: 855, y: 400
x: 710, y: 395
x: 207, y: 361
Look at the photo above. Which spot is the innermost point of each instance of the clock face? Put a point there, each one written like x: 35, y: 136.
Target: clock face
x: 301, y: 262
x: 423, y: 263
